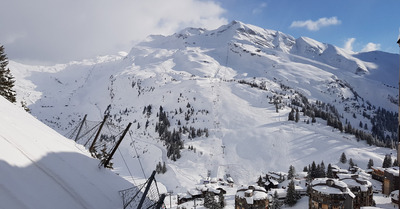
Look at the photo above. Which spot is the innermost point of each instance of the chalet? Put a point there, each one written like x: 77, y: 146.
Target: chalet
x: 198, y: 193
x: 330, y: 194
x: 378, y: 173
x: 267, y: 182
x: 362, y: 189
x: 277, y: 176
x: 336, y: 170
x: 252, y: 197
x: 390, y: 180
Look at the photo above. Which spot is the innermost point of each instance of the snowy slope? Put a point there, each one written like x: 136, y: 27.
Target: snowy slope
x: 41, y: 169
x: 200, y: 70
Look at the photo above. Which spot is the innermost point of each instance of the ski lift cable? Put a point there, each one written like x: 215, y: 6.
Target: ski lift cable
x: 90, y: 137
x: 140, y: 163
x: 118, y: 132
x: 94, y: 127
x: 123, y: 159
x: 72, y: 132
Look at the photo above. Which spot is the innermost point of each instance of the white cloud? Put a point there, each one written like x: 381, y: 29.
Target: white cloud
x: 260, y: 8
x: 371, y: 47
x: 316, y: 25
x: 348, y: 45
x: 60, y: 31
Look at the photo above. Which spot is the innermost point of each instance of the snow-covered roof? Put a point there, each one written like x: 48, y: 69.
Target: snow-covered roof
x: 253, y: 193
x: 194, y: 192
x: 344, y: 175
x: 363, y: 184
x: 184, y: 195
x: 301, y: 174
x: 393, y: 170
x: 395, y: 195
x: 260, y: 195
x: 299, y: 188
x: 377, y: 168
x: 229, y: 179
x: 205, y: 188
x: 281, y: 192
x: 331, y: 186
x: 273, y: 181
x: 337, y: 169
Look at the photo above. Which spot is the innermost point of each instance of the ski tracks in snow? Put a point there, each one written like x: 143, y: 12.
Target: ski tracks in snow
x: 59, y: 181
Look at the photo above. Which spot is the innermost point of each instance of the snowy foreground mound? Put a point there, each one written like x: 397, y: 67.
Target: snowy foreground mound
x: 39, y: 168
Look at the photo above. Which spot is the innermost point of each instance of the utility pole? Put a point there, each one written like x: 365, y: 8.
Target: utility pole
x: 80, y: 128
x: 91, y: 149
x: 146, y: 190
x: 107, y: 161
x: 170, y: 192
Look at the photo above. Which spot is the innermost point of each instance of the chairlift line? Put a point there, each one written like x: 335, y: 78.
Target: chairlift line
x: 151, y: 198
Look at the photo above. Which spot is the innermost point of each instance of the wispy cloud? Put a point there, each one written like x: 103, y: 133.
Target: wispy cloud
x: 348, y: 45
x: 371, y: 47
x: 64, y: 30
x: 260, y: 8
x: 316, y: 25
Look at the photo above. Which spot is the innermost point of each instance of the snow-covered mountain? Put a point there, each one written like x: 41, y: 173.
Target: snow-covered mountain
x: 238, y: 83
x: 42, y: 169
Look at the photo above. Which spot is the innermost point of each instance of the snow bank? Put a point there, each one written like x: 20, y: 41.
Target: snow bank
x: 41, y: 169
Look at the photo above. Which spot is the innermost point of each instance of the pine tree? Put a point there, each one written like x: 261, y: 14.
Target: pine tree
x: 291, y: 172
x: 329, y: 172
x: 163, y: 168
x: 313, y: 120
x: 292, y: 196
x: 260, y: 181
x: 343, y: 158
x: 221, y: 200
x: 313, y: 170
x: 351, y: 163
x: 275, y: 201
x: 210, y: 202
x: 395, y: 163
x: 322, y: 173
x: 291, y: 115
x: 158, y: 167
x: 370, y: 163
x: 6, y: 78
x: 297, y: 116
x: 387, y: 161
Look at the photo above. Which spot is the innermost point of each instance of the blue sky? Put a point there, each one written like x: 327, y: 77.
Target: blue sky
x: 373, y: 23
x: 48, y: 31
